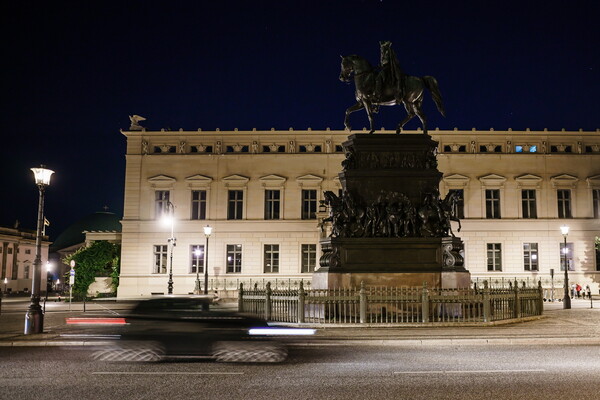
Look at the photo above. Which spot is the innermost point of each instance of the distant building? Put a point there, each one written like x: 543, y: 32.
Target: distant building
x: 100, y: 225
x: 260, y: 191
x: 17, y: 255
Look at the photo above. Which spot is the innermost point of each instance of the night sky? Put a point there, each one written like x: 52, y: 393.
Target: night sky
x: 74, y: 71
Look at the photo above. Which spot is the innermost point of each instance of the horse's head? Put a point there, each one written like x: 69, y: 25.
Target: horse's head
x: 386, y: 50
x: 346, y: 69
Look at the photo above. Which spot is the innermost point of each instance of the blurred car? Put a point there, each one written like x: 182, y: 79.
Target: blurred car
x: 182, y: 327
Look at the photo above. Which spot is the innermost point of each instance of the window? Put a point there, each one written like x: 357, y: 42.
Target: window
x: 492, y: 203
x: 235, y: 204
x: 564, y: 203
x: 309, y: 257
x: 528, y: 203
x: 309, y: 204
x: 196, y: 258
x: 26, y: 272
x: 27, y: 251
x: 272, y: 204
x: 161, y: 200
x: 271, y: 258
x: 569, y: 254
x: 9, y: 250
x: 458, y: 209
x: 494, y: 257
x: 160, y: 259
x: 198, y: 204
x: 234, y: 258
x: 530, y: 256
x: 596, y: 202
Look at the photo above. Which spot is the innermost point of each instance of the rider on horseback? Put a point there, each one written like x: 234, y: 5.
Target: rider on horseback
x: 390, y: 73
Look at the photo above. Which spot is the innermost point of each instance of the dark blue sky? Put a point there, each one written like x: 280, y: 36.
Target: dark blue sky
x: 74, y: 71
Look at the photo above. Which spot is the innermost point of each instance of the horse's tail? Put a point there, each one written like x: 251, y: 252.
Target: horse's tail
x: 432, y: 85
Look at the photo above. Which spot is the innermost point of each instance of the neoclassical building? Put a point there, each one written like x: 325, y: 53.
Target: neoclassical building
x: 260, y: 192
x: 17, y: 255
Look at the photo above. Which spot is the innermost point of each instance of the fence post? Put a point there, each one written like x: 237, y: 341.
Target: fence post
x: 301, y: 303
x: 517, y: 304
x: 425, y: 303
x: 268, y: 301
x: 363, y: 303
x: 486, y: 302
x: 540, y: 310
x: 241, y: 298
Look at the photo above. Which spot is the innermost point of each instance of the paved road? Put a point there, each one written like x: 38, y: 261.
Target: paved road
x: 314, y: 372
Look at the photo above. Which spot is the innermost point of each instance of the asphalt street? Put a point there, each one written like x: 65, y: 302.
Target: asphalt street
x: 321, y: 371
x: 553, y: 357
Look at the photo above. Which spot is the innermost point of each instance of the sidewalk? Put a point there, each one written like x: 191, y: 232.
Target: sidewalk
x: 579, y: 325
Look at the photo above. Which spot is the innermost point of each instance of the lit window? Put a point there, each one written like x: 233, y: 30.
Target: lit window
x: 568, y: 251
x: 530, y: 256
x: 234, y: 258
x: 494, y: 257
x: 271, y: 258
x: 160, y: 259
x: 309, y: 257
x: 197, y: 258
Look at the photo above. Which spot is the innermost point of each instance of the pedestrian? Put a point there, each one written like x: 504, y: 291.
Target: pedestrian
x: 573, y: 286
x: 588, y: 290
x: 578, y: 289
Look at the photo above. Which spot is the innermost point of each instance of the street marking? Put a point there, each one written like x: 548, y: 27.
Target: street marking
x: 487, y: 371
x: 167, y: 373
x: 109, y: 310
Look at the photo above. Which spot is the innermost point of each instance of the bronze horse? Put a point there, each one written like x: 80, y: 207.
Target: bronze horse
x: 410, y: 95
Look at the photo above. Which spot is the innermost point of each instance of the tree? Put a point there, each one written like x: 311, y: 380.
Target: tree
x: 101, y: 258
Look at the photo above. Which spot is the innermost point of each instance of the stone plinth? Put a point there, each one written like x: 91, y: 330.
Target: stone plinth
x: 389, y: 225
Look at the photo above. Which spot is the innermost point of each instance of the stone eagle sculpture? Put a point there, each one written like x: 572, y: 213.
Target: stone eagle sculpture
x: 135, y: 120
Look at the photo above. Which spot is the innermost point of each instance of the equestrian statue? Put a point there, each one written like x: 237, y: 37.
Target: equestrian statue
x: 387, y: 85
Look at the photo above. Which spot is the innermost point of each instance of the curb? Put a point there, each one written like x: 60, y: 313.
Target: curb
x: 581, y: 341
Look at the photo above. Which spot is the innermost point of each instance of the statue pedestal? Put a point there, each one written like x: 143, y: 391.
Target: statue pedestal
x: 392, y: 262
x: 389, y: 226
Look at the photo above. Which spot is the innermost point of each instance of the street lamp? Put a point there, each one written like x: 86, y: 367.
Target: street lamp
x: 566, y: 300
x: 34, y: 317
x: 5, y: 283
x: 207, y: 232
x: 169, y: 218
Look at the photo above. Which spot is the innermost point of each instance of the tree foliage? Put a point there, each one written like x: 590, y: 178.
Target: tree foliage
x: 101, y: 258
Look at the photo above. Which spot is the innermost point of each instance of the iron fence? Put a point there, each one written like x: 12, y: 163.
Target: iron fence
x: 386, y: 305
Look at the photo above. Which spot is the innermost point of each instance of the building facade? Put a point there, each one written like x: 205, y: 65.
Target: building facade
x: 17, y: 255
x: 260, y: 192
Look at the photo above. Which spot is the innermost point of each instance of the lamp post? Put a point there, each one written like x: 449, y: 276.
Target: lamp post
x: 169, y: 218
x: 34, y: 317
x: 567, y: 299
x: 207, y: 232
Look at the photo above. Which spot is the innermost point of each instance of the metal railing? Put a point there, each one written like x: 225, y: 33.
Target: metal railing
x: 387, y: 305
